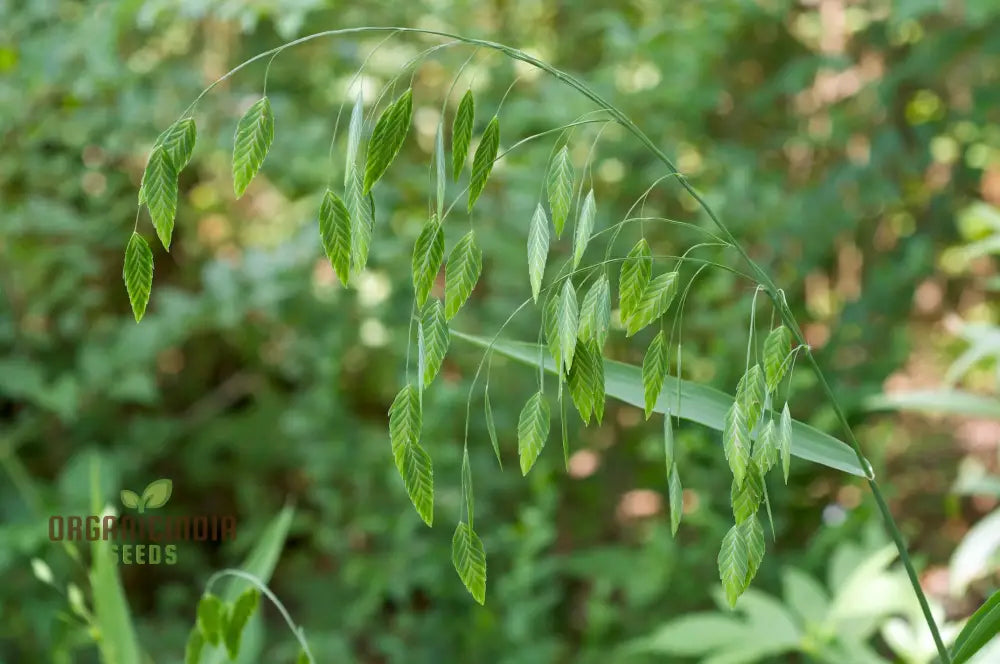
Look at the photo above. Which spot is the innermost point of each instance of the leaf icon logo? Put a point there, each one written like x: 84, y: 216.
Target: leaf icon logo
x: 156, y: 494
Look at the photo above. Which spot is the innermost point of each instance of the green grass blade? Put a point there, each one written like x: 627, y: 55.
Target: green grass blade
x: 118, y: 643
x: 260, y: 562
x: 698, y: 403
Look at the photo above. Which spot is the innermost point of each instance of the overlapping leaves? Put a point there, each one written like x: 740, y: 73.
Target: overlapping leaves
x: 412, y: 461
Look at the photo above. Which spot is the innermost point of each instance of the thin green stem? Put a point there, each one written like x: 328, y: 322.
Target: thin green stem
x: 299, y: 633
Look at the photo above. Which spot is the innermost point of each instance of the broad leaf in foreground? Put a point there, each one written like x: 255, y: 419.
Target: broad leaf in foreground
x: 688, y: 401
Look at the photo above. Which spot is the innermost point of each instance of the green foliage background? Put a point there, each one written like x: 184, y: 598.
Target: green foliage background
x: 839, y: 147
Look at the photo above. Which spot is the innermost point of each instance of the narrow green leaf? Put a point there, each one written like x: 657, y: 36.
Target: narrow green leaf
x: 361, y: 210
x: 676, y: 494
x: 563, y: 429
x: 550, y: 324
x: 211, y: 618
x: 335, y: 231
x: 387, y: 138
x: 465, y: 263
x: 194, y: 646
x: 412, y: 461
x: 436, y: 337
x: 461, y: 132
x: 178, y: 140
x: 469, y: 559
x: 159, y: 187
x: 303, y: 658
x: 354, y: 130
x: 597, y: 368
x: 776, y: 348
x: 491, y: 427
x: 746, y: 499
x: 668, y: 441
x: 532, y: 430
x: 428, y: 253
x: 560, y: 189
x: 112, y: 618
x: 467, y: 495
x: 441, y: 180
x: 765, y: 448
x: 584, y: 228
x: 751, y: 392
x: 785, y: 441
x: 981, y: 628
x: 753, y: 537
x: 538, y: 249
x: 482, y: 163
x: 137, y: 272
x: 254, y: 134
x: 733, y: 564
x: 243, y: 608
x: 595, y: 312
x: 654, y: 303
x: 637, y: 268
x: 736, y: 442
x: 654, y: 370
x: 695, y: 403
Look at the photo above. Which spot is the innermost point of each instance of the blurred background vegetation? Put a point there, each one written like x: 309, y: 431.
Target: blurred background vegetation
x: 853, y: 146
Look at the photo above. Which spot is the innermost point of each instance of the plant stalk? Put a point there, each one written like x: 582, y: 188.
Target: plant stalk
x: 756, y: 271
